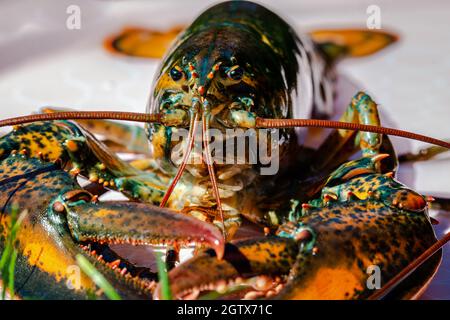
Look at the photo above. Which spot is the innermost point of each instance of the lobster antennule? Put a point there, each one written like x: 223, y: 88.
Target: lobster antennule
x: 187, y: 153
x: 316, y: 123
x: 76, y: 115
x: 210, y: 166
x: 411, y: 267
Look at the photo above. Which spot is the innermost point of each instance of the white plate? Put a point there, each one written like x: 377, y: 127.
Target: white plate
x: 42, y: 62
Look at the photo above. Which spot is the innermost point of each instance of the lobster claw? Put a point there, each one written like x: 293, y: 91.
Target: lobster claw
x: 246, y: 264
x: 135, y: 223
x: 326, y: 254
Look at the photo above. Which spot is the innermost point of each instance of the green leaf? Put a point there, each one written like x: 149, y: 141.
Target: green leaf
x: 97, y: 277
x: 163, y: 277
x: 12, y: 265
x: 9, y: 255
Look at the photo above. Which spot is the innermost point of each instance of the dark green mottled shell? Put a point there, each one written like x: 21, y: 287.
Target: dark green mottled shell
x: 237, y: 29
x: 286, y: 74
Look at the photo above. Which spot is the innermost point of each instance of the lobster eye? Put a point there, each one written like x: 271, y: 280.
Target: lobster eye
x: 236, y: 73
x: 176, y: 73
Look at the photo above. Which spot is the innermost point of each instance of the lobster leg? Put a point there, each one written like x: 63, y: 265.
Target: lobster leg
x: 117, y: 136
x: 441, y: 204
x: 340, y: 144
x: 423, y: 154
x: 78, y: 150
x: 360, y: 180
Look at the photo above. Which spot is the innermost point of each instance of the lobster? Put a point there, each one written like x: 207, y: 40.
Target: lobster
x: 327, y: 220
x: 65, y: 220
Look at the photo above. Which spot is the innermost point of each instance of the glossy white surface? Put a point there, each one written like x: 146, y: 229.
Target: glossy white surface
x: 44, y: 63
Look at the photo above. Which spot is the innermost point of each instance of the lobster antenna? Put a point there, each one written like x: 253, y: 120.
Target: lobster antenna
x: 315, y: 123
x: 210, y: 166
x: 260, y: 123
x: 411, y: 267
x: 187, y: 153
x: 76, y: 115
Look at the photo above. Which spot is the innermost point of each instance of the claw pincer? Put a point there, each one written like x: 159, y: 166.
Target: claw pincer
x: 370, y: 222
x: 63, y: 222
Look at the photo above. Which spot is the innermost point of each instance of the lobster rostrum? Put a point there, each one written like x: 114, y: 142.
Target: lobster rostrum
x: 327, y: 219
